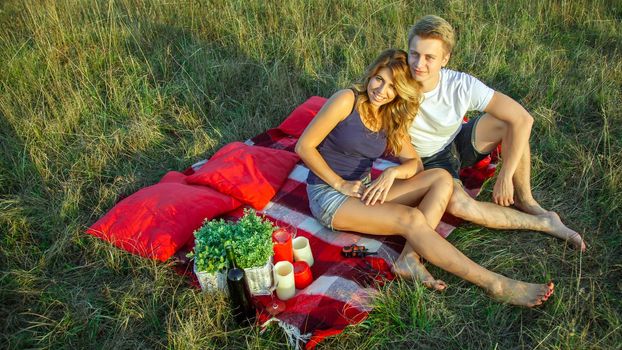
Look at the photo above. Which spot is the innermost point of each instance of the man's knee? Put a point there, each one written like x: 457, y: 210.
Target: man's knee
x: 489, y: 132
x: 496, y: 126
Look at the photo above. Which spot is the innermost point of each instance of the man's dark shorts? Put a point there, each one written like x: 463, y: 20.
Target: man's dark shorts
x: 461, y: 153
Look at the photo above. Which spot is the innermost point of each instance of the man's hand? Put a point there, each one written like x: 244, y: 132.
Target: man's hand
x: 379, y: 188
x: 351, y: 188
x: 503, y: 192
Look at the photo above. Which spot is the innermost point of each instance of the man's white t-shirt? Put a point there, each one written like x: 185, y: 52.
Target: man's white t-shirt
x: 440, y: 115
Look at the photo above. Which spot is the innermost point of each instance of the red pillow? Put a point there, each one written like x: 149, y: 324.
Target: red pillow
x: 174, y: 176
x: 158, y: 220
x: 298, y: 120
x: 251, y: 174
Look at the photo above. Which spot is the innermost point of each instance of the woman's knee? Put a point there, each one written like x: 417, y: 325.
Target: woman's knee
x: 443, y: 180
x: 443, y: 177
x: 409, y: 220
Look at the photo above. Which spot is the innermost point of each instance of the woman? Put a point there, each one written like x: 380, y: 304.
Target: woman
x: 355, y: 127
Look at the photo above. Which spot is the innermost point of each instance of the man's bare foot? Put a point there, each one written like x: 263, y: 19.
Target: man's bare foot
x: 559, y: 230
x: 529, y: 206
x: 520, y: 293
x: 411, y: 268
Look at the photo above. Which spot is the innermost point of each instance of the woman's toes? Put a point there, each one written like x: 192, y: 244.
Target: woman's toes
x: 437, y: 285
x: 549, y: 291
x: 440, y: 285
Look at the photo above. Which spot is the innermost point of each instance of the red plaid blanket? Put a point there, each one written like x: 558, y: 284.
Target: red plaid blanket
x: 342, y: 291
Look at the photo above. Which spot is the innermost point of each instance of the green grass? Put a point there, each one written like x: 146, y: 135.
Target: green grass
x: 101, y: 98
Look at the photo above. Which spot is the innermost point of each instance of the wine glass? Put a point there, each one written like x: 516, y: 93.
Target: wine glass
x: 282, y: 236
x: 283, y: 232
x: 275, y: 306
x: 282, y: 243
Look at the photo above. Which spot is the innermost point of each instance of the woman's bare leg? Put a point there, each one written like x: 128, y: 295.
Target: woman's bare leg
x: 391, y: 219
x: 430, y: 192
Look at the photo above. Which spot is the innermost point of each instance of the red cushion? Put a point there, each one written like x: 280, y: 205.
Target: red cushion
x: 158, y: 220
x: 174, y: 176
x: 251, y: 174
x: 298, y: 120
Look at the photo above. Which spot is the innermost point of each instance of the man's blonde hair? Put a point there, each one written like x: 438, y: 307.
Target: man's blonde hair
x: 434, y: 27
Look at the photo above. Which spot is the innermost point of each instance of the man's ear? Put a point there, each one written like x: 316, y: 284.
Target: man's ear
x: 446, y: 59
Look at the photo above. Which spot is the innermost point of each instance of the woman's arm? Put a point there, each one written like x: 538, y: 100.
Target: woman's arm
x: 410, y: 165
x: 336, y: 109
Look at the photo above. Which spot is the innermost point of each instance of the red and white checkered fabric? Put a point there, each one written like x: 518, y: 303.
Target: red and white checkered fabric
x: 342, y: 291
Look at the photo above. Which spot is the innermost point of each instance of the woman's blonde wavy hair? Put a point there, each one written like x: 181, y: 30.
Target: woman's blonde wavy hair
x: 397, y: 115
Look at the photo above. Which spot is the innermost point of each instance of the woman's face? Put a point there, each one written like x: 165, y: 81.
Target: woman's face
x: 380, y: 88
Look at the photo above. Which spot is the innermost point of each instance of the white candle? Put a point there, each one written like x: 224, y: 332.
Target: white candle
x: 284, y: 279
x: 302, y: 250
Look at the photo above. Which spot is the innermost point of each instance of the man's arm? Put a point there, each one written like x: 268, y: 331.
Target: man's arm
x: 519, y: 123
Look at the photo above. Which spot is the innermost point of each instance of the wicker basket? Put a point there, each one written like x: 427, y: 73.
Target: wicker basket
x: 259, y: 279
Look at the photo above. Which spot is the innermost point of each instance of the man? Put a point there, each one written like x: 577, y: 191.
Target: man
x: 444, y: 142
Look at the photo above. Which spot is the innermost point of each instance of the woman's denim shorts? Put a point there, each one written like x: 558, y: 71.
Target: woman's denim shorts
x: 324, y: 201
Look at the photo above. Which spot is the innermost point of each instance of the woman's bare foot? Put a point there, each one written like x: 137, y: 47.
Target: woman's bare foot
x: 409, y: 267
x: 520, y: 293
x: 558, y: 229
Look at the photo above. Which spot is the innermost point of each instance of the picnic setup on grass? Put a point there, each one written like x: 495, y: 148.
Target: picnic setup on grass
x: 243, y: 218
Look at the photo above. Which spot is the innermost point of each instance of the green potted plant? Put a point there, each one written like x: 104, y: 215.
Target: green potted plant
x: 251, y: 238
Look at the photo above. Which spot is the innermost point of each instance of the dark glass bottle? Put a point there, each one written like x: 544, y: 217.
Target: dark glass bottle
x: 239, y: 293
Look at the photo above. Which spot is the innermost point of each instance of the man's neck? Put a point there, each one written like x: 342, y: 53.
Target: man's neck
x: 431, y: 84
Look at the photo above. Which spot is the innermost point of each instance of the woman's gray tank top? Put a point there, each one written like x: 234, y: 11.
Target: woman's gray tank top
x: 350, y: 149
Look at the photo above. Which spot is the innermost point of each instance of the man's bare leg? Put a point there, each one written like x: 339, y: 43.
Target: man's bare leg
x: 489, y: 132
x: 523, y: 198
x: 498, y: 217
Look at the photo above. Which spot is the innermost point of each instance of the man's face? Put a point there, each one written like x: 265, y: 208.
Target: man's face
x: 426, y: 57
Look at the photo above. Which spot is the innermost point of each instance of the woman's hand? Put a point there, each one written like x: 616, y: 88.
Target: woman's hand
x: 351, y: 188
x: 379, y: 188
